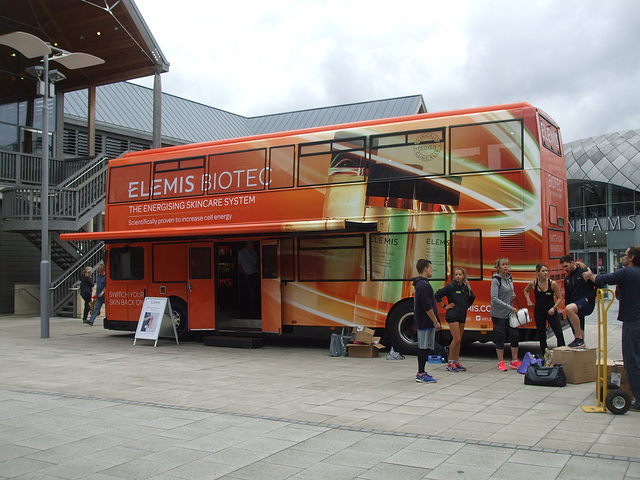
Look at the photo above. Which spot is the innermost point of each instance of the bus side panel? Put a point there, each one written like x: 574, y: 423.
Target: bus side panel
x: 318, y: 303
x: 167, y: 276
x: 124, y: 303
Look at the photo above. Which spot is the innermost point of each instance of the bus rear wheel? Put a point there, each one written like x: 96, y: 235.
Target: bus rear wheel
x: 179, y: 314
x: 402, y: 330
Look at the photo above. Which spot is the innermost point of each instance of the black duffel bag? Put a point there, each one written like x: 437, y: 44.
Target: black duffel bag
x: 545, y: 376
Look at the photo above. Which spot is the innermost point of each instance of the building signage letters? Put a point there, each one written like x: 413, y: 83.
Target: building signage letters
x: 603, y: 224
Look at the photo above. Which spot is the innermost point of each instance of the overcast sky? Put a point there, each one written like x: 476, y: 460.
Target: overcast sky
x: 578, y: 60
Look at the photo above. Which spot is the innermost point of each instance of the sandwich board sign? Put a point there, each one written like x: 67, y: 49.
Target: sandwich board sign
x: 155, y: 320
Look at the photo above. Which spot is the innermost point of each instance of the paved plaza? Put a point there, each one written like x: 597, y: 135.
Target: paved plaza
x: 88, y: 404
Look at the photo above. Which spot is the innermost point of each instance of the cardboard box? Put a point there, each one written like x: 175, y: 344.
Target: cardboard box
x: 365, y: 350
x: 364, y: 335
x: 579, y: 364
x: 615, y: 374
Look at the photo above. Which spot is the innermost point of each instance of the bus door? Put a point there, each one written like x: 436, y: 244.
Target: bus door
x: 270, y: 287
x: 201, y: 287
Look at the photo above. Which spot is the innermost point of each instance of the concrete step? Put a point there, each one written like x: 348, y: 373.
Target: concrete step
x: 234, y: 342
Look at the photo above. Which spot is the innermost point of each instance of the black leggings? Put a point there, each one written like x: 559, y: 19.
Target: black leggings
x: 500, y: 326
x: 541, y: 326
x: 86, y: 299
x: 423, y: 356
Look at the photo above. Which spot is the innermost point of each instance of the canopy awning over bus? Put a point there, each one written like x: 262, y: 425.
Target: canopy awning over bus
x: 266, y: 228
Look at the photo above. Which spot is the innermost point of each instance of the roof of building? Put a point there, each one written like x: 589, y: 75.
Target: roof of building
x: 125, y: 107
x: 609, y: 158
x: 335, y: 115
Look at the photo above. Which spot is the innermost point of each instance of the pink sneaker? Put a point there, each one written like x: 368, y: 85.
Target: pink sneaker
x: 502, y: 367
x: 515, y: 364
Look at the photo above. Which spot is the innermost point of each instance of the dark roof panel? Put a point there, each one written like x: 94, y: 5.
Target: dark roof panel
x: 127, y: 106
x: 393, y: 107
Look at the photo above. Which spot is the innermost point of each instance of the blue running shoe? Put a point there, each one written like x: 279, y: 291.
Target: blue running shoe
x: 425, y: 378
x: 452, y: 367
x: 460, y: 367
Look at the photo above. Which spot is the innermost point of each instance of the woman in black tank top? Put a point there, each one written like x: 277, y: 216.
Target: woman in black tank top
x: 547, y: 299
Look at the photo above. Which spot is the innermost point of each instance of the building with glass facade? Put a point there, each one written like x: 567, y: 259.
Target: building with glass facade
x: 604, y: 197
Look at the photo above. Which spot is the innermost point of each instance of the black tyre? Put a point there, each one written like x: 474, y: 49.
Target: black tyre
x: 179, y: 312
x: 610, y: 386
x: 402, y: 330
x: 618, y: 401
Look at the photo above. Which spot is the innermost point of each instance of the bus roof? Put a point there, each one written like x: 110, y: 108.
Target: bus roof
x: 366, y: 123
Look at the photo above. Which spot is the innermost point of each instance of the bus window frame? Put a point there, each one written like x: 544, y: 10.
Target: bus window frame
x: 285, y: 267
x: 111, y: 183
x: 407, y: 252
x: 362, y: 248
x: 331, y: 152
x: 113, y: 256
x: 293, y: 166
x: 452, y: 128
x: 451, y: 250
x: 543, y: 138
x: 157, y: 170
x: 208, y: 171
x: 406, y: 133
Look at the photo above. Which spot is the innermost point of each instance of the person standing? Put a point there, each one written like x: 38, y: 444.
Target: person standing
x: 502, y: 297
x: 249, y: 266
x: 101, y: 286
x: 579, y: 297
x: 86, y: 292
x: 425, y: 315
x: 628, y: 281
x: 547, y: 300
x: 459, y: 299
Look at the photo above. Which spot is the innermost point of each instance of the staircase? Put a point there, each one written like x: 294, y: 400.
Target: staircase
x: 73, y: 202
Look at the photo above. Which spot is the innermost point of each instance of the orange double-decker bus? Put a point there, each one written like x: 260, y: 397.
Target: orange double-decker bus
x: 339, y: 216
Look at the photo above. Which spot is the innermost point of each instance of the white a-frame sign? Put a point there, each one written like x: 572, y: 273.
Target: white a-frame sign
x: 156, y: 320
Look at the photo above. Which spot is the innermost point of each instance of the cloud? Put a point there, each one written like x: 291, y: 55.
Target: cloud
x: 577, y: 60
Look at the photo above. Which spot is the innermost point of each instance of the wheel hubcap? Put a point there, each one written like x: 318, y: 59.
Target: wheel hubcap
x: 407, y: 329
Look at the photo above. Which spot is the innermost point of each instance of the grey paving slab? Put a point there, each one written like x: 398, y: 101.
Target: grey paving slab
x: 79, y: 405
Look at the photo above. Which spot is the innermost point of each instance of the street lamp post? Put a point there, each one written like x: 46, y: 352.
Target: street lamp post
x: 31, y: 47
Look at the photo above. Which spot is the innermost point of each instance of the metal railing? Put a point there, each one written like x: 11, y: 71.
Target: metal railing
x: 68, y: 204
x: 82, y: 169
x: 17, y: 168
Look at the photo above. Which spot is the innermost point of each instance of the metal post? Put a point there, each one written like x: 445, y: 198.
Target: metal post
x: 45, y: 269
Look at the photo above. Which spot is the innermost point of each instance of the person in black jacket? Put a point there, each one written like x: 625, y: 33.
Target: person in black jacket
x: 579, y: 297
x: 86, y: 290
x: 459, y: 299
x: 425, y: 316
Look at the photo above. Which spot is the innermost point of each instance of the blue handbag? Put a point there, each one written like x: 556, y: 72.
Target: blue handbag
x: 528, y: 360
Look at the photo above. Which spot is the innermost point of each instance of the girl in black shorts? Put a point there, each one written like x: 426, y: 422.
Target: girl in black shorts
x: 459, y: 298
x: 548, y: 298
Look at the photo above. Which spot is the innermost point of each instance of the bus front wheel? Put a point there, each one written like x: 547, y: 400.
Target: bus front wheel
x: 402, y: 329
